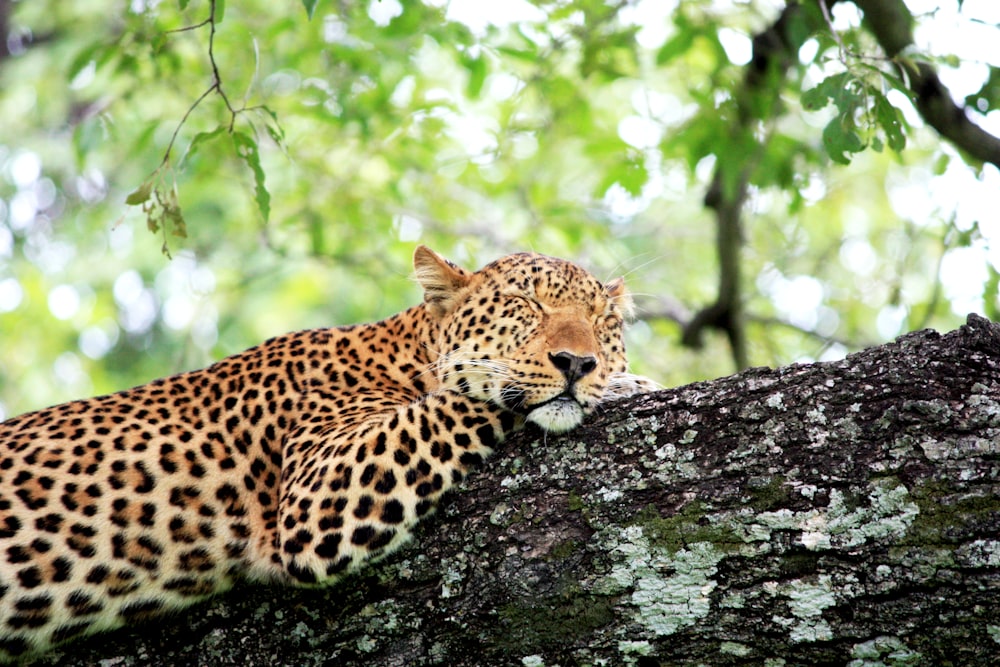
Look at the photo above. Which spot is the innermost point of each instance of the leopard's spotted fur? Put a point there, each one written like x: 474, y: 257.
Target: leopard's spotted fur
x: 298, y: 459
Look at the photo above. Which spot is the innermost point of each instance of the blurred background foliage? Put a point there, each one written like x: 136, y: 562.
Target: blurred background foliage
x: 281, y: 161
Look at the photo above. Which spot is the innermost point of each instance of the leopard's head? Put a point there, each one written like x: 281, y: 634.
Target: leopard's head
x: 536, y: 335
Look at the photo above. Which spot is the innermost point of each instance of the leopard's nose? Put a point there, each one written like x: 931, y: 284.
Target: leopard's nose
x: 572, y: 366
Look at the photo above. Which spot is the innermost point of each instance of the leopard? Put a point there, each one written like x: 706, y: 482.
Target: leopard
x: 296, y: 461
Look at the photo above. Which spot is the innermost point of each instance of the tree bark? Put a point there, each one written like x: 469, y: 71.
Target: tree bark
x: 814, y: 514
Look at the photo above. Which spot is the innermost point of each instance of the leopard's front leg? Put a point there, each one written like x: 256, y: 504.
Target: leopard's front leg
x: 353, y: 496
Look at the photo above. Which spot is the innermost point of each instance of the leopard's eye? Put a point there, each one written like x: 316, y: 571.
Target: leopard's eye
x: 524, y: 300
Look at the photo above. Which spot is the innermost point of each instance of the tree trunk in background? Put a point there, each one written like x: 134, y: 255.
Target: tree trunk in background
x: 816, y: 514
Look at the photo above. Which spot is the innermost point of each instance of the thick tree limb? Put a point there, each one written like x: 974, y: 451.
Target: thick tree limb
x: 818, y: 514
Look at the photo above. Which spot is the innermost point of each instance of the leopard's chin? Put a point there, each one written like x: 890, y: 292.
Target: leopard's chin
x: 557, y: 416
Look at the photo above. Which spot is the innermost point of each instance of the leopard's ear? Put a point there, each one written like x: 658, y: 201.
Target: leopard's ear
x: 442, y: 281
x: 620, y: 296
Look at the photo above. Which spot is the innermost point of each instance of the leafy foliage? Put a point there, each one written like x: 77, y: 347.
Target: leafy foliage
x: 288, y: 161
x: 863, y: 111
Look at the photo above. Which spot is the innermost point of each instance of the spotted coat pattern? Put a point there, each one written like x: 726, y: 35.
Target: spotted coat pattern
x: 296, y: 460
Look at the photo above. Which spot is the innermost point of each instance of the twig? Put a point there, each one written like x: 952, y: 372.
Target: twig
x: 188, y: 28
x: 216, y: 78
x: 216, y: 85
x: 173, y: 137
x: 833, y: 32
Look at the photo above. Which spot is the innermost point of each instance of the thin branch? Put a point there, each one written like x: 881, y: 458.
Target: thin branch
x: 6, y: 7
x: 195, y: 26
x: 841, y: 48
x: 661, y: 307
x: 216, y: 77
x: 726, y: 312
x: 216, y: 85
x: 183, y: 120
x: 157, y: 197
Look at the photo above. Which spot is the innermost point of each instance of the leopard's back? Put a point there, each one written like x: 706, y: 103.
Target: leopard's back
x: 117, y: 508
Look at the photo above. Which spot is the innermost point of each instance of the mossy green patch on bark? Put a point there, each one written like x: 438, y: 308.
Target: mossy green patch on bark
x: 769, y: 493
x: 563, y: 550
x: 687, y: 526
x: 947, y: 510
x: 553, y: 622
x: 574, y: 501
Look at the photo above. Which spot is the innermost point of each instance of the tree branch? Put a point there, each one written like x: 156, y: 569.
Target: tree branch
x: 891, y: 23
x: 726, y: 313
x: 816, y: 514
x: 6, y: 6
x: 773, y: 53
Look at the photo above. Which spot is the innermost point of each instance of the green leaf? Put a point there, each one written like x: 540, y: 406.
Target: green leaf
x: 528, y: 56
x: 272, y: 126
x: 140, y: 195
x: 199, y: 139
x: 889, y: 78
x: 310, y: 6
x: 220, y: 11
x: 839, y: 140
x: 158, y: 42
x: 477, y: 75
x: 702, y: 135
x: 890, y: 119
x: 814, y: 99
x: 87, y: 136
x: 778, y: 165
x: 153, y: 215
x: 831, y: 88
x: 798, y: 30
x: 183, y: 4
x: 987, y: 98
x: 680, y: 43
x: 277, y: 135
x: 317, y: 235
x: 246, y: 149
x: 675, y: 46
x: 81, y: 60
x: 631, y: 175
x: 941, y: 164
x: 173, y: 213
